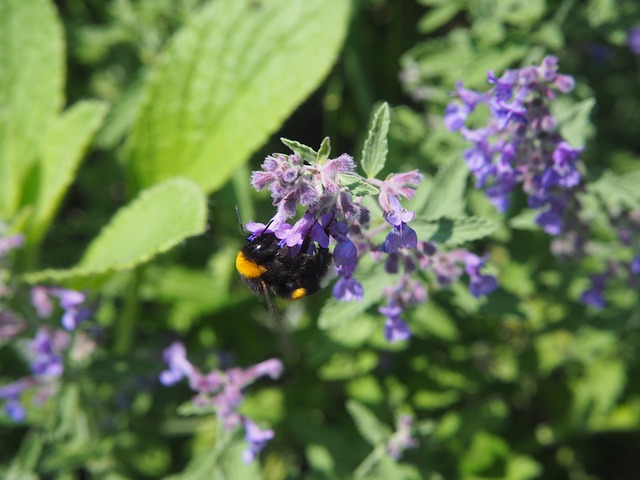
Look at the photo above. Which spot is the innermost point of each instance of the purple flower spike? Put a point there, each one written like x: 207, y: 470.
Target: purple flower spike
x: 635, y: 265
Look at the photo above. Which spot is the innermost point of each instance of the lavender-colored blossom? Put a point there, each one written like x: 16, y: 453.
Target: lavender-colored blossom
x: 395, y: 328
x: 72, y: 302
x: 347, y: 289
x: 480, y: 284
x: 9, y: 243
x: 401, y: 236
x: 633, y: 40
x: 520, y: 144
x: 10, y: 324
x: 222, y: 390
x: 634, y: 266
x: 45, y: 355
x: 45, y: 352
x: 594, y: 295
x: 402, y: 438
x: 11, y: 395
x: 179, y: 367
x: 335, y: 218
x: 256, y: 439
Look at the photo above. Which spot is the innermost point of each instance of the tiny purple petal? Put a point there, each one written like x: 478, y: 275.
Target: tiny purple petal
x: 482, y: 285
x: 41, y: 300
x: 256, y: 438
x: 347, y: 289
x: 396, y: 329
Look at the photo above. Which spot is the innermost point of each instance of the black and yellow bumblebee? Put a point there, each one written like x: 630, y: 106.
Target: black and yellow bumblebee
x: 290, y: 273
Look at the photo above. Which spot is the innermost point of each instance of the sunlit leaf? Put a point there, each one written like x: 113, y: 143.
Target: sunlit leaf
x: 374, y: 153
x: 31, y: 89
x: 158, y: 219
x: 226, y: 82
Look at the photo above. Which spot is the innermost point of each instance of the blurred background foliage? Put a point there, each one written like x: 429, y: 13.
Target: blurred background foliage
x: 527, y: 383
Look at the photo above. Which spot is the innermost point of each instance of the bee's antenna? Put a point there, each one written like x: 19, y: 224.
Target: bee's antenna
x: 240, y: 220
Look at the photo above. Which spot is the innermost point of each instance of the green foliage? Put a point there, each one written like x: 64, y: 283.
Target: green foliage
x: 31, y: 91
x: 123, y: 154
x: 158, y: 219
x: 213, y: 99
x: 374, y: 153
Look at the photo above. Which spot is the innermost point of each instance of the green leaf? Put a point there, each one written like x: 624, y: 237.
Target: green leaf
x: 453, y: 231
x: 371, y: 429
x: 618, y: 190
x: 446, y: 198
x: 485, y: 451
x: 307, y: 154
x: 158, y: 219
x: 63, y: 148
x: 324, y: 151
x: 336, y: 313
x: 438, y: 17
x: 226, y: 82
x: 374, y: 153
x: 358, y: 186
x: 31, y: 89
x: 575, y: 125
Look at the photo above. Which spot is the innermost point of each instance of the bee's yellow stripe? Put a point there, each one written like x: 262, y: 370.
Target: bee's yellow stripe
x: 247, y: 268
x: 298, y: 293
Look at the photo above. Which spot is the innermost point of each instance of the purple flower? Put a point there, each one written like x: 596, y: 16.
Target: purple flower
x: 634, y: 267
x: 401, y: 236
x: 11, y: 394
x: 45, y: 352
x: 395, y: 328
x: 594, y: 295
x: 10, y: 243
x: 520, y: 144
x: 222, y: 390
x: 402, y: 439
x: 348, y: 289
x: 633, y: 39
x: 179, y: 367
x: 256, y: 438
x: 480, y: 284
x: 73, y: 303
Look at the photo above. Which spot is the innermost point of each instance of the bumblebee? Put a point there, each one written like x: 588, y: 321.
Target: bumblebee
x: 289, y: 273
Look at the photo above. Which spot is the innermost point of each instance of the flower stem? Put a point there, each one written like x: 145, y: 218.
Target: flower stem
x: 127, y: 324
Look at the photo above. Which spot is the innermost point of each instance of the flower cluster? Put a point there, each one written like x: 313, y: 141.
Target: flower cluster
x: 520, y: 144
x: 45, y: 354
x: 72, y: 302
x: 332, y: 194
x: 222, y: 391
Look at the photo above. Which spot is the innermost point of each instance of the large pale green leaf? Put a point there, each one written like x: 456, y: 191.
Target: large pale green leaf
x: 227, y: 81
x: 453, y: 231
x: 31, y: 89
x: 158, y: 219
x: 63, y: 147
